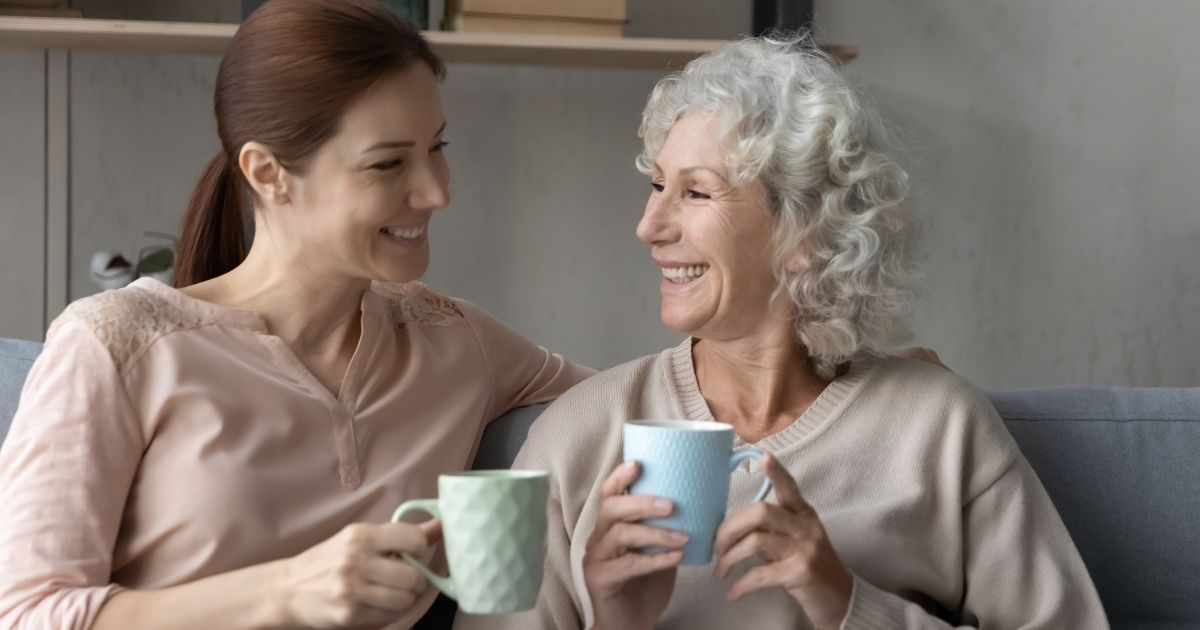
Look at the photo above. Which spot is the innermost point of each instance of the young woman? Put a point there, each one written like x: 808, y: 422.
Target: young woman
x: 226, y: 454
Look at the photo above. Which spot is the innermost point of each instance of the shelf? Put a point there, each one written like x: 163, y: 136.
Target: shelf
x: 188, y: 38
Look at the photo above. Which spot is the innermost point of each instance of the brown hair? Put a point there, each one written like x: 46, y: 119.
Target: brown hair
x: 289, y: 73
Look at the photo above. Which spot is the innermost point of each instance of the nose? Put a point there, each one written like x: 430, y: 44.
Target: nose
x: 659, y: 222
x: 430, y: 188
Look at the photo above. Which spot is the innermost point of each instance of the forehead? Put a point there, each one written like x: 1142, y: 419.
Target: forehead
x: 693, y: 141
x: 404, y: 104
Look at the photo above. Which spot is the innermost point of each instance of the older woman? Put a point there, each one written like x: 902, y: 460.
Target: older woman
x: 900, y: 500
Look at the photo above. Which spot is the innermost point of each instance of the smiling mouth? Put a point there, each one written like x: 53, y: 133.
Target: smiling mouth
x: 409, y: 233
x: 685, y: 274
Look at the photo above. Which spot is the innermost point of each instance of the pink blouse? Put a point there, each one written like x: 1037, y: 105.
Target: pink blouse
x: 161, y: 439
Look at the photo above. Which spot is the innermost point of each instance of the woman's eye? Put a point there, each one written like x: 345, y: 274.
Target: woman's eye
x: 437, y: 148
x: 695, y: 194
x: 386, y: 165
x: 656, y: 186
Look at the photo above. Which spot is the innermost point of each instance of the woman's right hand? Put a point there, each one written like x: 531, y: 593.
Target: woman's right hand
x: 629, y: 589
x: 356, y: 577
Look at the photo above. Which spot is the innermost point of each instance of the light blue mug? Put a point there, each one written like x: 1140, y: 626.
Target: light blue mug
x: 689, y: 463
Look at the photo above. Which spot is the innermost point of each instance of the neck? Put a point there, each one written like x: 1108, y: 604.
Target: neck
x: 760, y: 384
x: 312, y: 309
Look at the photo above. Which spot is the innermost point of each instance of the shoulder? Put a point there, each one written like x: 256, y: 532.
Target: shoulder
x: 125, y: 321
x: 415, y: 303
x: 929, y: 387
x: 590, y: 412
x: 955, y: 417
x: 618, y: 388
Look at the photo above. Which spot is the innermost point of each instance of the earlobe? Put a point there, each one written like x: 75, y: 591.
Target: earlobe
x: 264, y: 173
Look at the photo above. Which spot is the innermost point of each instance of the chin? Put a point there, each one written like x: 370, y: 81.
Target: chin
x: 408, y: 273
x: 679, y: 322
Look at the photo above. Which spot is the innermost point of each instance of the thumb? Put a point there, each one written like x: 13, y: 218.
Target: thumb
x: 432, y: 530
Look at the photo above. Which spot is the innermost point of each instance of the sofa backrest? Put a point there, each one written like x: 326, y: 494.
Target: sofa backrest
x: 1123, y: 469
x: 16, y: 357
x: 1120, y: 464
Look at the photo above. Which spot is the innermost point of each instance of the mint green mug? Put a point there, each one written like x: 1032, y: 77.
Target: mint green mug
x: 494, y: 533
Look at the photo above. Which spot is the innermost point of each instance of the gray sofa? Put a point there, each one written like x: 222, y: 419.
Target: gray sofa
x: 1122, y: 466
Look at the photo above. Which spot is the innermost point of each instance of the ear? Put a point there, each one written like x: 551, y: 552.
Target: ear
x: 264, y: 173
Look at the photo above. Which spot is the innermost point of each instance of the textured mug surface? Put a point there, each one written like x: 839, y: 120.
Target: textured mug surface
x: 494, y: 532
x: 689, y: 463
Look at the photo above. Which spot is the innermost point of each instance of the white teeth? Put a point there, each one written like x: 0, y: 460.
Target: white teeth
x: 682, y: 275
x: 415, y: 232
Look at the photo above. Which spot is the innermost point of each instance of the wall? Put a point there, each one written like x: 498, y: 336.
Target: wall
x: 1053, y: 155
x: 1050, y: 148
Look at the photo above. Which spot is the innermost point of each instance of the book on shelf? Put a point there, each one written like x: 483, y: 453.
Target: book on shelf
x: 482, y: 23
x: 604, y: 10
x: 26, y: 11
x: 31, y: 4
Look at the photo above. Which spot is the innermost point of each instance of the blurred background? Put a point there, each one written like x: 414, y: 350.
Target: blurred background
x: 1051, y: 148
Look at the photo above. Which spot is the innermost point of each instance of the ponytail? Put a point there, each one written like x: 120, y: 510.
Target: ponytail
x: 213, y: 239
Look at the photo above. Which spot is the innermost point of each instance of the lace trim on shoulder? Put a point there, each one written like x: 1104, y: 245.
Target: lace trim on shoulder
x: 127, y: 321
x: 413, y: 302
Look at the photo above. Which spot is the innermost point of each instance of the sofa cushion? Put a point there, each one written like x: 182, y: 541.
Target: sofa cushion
x: 1121, y: 467
x: 16, y: 357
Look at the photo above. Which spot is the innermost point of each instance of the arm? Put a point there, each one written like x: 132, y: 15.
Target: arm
x: 1017, y: 550
x: 348, y: 580
x: 65, y: 471
x: 523, y: 373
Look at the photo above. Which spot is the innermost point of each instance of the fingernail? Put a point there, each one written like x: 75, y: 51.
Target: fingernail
x: 679, y: 537
x: 630, y: 465
x: 662, y: 505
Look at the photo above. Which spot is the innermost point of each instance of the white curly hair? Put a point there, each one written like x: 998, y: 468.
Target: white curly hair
x: 844, y: 240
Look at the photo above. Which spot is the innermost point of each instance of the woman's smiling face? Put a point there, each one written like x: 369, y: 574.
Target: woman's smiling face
x: 712, y: 239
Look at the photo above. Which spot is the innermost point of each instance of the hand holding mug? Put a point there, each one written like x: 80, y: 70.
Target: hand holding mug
x: 630, y: 589
x: 355, y: 578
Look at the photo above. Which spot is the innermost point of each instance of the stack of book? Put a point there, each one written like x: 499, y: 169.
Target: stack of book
x: 38, y: 8
x: 598, y: 18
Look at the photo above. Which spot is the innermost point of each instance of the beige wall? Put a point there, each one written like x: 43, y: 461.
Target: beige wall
x: 1050, y: 149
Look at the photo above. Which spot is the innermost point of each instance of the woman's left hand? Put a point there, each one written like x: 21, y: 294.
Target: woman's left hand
x: 791, y: 540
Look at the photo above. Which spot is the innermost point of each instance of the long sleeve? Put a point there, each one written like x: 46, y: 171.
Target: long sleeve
x: 1021, y: 568
x: 65, y: 471
x: 523, y: 373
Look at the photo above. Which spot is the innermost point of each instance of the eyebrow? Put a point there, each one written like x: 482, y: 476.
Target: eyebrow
x: 691, y: 169
x: 398, y: 144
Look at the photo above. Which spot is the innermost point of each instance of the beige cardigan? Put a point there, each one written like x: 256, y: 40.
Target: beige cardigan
x: 922, y: 490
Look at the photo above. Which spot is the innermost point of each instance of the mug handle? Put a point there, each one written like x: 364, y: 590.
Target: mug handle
x: 750, y: 453
x: 443, y: 584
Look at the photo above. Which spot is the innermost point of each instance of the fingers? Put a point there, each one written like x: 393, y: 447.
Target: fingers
x: 616, y: 506
x: 619, y: 480
x: 625, y: 536
x: 787, y: 493
x: 432, y: 529
x: 628, y: 508
x: 766, y: 576
x: 769, y: 546
x: 393, y: 574
x: 609, y: 576
x: 763, y: 516
x: 396, y: 538
x: 386, y: 598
